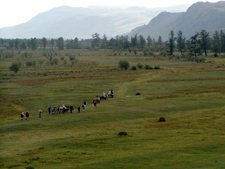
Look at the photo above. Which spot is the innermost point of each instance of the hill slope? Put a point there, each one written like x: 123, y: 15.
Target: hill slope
x: 207, y: 16
x: 71, y: 22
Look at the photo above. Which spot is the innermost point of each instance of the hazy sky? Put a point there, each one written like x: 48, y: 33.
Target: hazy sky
x: 13, y: 12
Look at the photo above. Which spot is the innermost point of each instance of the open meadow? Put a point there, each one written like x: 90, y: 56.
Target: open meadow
x: 189, y: 95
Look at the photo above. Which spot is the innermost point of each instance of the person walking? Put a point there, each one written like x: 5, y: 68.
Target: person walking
x: 85, y: 103
x: 27, y: 115
x: 49, y: 110
x: 78, y: 108
x: 53, y: 110
x: 22, y: 115
x: 95, y: 104
x: 39, y: 113
x: 83, y: 107
x: 71, y: 109
x: 58, y: 110
x: 112, y: 91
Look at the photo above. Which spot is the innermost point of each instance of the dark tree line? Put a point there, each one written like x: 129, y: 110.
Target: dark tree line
x: 32, y: 43
x: 199, y: 43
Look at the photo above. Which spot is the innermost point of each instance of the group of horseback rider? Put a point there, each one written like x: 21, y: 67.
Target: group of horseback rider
x: 66, y: 108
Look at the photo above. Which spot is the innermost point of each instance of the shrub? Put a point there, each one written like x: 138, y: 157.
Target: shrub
x: 200, y: 59
x: 30, y: 63
x: 123, y: 64
x: 55, y: 61
x: 157, y: 67
x: 163, y: 53
x: 145, y: 53
x: 30, y: 167
x: 147, y: 67
x: 71, y: 57
x: 162, y: 119
x: 134, y: 68
x: 27, y: 54
x: 41, y: 62
x: 9, y: 54
x: 151, y: 53
x: 122, y: 133
x: 139, y: 65
x: 15, y: 67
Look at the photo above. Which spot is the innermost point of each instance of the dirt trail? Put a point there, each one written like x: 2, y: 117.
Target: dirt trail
x: 123, y: 87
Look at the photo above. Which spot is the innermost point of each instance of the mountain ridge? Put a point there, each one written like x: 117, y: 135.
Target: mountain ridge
x: 70, y: 22
x: 199, y: 16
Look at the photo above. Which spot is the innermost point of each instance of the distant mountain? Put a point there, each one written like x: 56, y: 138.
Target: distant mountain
x: 70, y: 22
x: 200, y: 16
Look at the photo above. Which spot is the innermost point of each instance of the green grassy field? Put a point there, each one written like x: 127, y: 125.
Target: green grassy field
x: 189, y: 95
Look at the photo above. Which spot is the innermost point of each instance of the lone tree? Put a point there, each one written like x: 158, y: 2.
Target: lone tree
x: 44, y: 42
x: 104, y: 42
x: 60, y: 43
x: 95, y: 40
x: 52, y: 43
x: 171, y: 42
x: 123, y: 64
x: 142, y: 42
x: 204, y: 41
x: 14, y: 67
x: 33, y: 43
x: 195, y: 47
x: 180, y: 42
x: 149, y: 41
x: 134, y: 41
x: 160, y: 42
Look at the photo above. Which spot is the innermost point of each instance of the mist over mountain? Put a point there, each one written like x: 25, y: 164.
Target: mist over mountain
x: 200, y: 16
x: 70, y: 22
